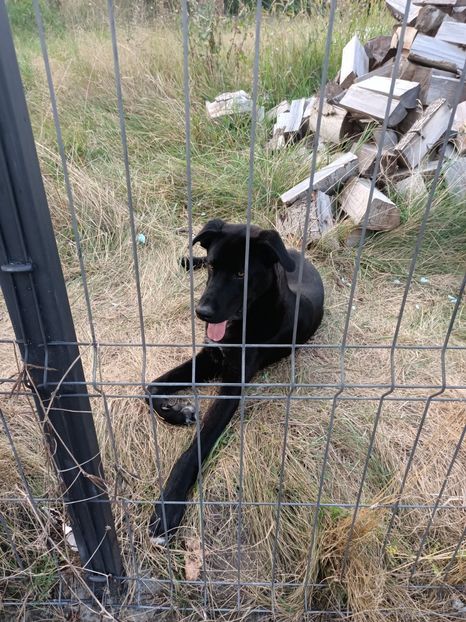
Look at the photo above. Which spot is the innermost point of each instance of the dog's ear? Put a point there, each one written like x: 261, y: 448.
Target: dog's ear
x: 209, y: 231
x: 272, y: 242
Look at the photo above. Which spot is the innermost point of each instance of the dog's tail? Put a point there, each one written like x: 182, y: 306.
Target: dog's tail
x: 198, y: 262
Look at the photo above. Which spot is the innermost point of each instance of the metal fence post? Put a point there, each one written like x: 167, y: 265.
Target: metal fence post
x: 35, y: 294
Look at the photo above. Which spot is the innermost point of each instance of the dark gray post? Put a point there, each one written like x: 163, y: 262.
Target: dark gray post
x: 34, y: 290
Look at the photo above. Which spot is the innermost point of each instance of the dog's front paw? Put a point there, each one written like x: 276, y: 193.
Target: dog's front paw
x: 163, y: 524
x: 173, y: 410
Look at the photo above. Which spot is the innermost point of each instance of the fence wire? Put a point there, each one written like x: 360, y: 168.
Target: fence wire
x: 40, y: 504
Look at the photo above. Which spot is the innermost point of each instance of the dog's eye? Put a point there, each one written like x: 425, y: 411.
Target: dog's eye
x: 239, y: 275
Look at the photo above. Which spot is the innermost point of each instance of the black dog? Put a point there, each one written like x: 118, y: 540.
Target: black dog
x: 272, y: 282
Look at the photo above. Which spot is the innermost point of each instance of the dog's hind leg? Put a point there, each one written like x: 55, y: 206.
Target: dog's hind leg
x: 175, y: 411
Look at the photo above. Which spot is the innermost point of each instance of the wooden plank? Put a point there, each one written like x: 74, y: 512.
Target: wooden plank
x: 354, y: 62
x: 455, y: 180
x: 424, y: 133
x: 295, y: 116
x: 405, y: 91
x: 373, y: 105
x: 291, y: 221
x: 326, y: 180
x: 429, y: 20
x: 452, y: 32
x: 432, y: 52
x: 383, y: 213
x: 398, y: 9
x: 410, y: 35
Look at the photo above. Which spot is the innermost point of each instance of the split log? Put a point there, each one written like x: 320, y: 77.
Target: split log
x: 459, y: 122
x: 388, y: 164
x: 410, y: 35
x: 432, y: 52
x: 326, y: 180
x: 294, y: 116
x: 460, y: 143
x: 277, y: 141
x: 424, y: 133
x: 354, y: 62
x: 237, y: 102
x: 290, y: 222
x: 378, y: 51
x: 398, y: 9
x: 455, y: 179
x: 389, y: 138
x: 373, y: 105
x: 442, y: 84
x: 411, y: 187
x: 383, y: 213
x: 367, y: 154
x: 404, y: 91
x: 336, y: 123
x: 452, y: 31
x: 459, y: 13
x: 429, y: 20
x: 273, y: 113
x: 410, y: 119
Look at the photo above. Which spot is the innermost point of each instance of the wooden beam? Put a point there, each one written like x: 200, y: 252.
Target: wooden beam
x: 383, y: 213
x: 326, y: 180
x: 423, y: 135
x: 404, y: 91
x: 373, y: 105
x: 432, y: 52
x: 354, y: 62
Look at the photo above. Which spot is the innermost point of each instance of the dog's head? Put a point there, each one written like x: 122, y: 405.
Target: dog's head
x: 222, y: 299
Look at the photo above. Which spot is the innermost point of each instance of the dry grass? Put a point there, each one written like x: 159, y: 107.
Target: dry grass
x: 372, y: 586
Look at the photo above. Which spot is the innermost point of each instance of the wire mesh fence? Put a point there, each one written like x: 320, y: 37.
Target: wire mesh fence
x: 338, y: 489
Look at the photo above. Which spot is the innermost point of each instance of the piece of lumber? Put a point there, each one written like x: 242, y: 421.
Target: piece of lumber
x: 455, y: 180
x: 295, y: 116
x: 404, y: 91
x: 429, y: 20
x: 398, y: 9
x: 373, y: 105
x: 237, y: 102
x: 378, y: 50
x: 335, y: 124
x: 432, y: 52
x: 410, y: 35
x: 291, y: 221
x: 383, y: 213
x: 424, y: 133
x: 412, y: 187
x: 452, y: 31
x: 354, y: 62
x: 326, y: 180
x: 441, y: 85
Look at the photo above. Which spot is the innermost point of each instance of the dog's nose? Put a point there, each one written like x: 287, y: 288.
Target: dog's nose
x: 204, y: 312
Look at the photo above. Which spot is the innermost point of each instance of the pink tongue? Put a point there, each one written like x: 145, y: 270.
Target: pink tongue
x: 216, y: 331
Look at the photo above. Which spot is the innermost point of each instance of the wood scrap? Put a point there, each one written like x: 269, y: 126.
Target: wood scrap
x: 273, y: 113
x: 452, y: 32
x: 442, y: 84
x: 398, y: 9
x: 378, y: 50
x: 432, y: 52
x: 372, y: 105
x: 354, y: 62
x: 367, y: 154
x: 444, y: 3
x: 326, y: 180
x: 424, y: 133
x: 389, y: 138
x: 404, y: 91
x: 410, y: 119
x: 455, y: 179
x: 237, y: 102
x: 383, y: 213
x: 412, y: 187
x: 410, y: 35
x: 290, y: 222
x: 294, y: 116
x: 336, y: 123
x: 429, y: 20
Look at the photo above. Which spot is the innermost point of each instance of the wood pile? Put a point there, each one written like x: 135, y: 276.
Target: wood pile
x: 426, y: 88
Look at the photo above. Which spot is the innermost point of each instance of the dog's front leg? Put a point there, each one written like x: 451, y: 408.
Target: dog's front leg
x: 175, y: 411
x: 184, y: 473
